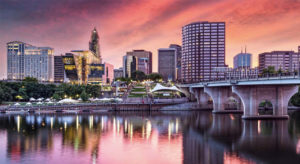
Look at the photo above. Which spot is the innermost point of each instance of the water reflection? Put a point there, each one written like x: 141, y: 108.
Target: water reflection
x: 175, y: 137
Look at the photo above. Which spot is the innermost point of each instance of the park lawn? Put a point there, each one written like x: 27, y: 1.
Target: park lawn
x: 138, y: 90
x: 137, y: 95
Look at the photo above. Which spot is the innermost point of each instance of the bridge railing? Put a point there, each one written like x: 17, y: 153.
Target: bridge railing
x: 288, y: 75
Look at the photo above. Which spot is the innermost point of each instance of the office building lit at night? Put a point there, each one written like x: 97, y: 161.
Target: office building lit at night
x: 203, y: 49
x: 25, y: 60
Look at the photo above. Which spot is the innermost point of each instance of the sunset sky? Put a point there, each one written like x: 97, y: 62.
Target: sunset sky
x: 123, y: 25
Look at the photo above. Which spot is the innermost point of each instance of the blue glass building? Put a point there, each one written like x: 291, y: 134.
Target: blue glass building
x: 242, y: 60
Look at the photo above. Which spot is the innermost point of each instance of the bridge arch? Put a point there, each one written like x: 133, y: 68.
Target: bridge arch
x: 221, y: 97
x: 278, y: 95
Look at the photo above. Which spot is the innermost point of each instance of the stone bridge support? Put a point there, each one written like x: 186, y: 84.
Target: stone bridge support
x: 278, y: 95
x: 188, y: 92
x: 202, y: 98
x: 220, y: 96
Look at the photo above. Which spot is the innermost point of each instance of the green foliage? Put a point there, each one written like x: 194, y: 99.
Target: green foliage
x: 124, y: 79
x: 84, y: 96
x: 30, y: 79
x: 56, y: 96
x: 22, y: 91
x: 154, y: 77
x: 269, y: 70
x: 1, y: 95
x: 138, y: 75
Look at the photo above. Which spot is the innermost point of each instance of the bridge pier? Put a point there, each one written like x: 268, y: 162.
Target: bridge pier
x: 219, y: 96
x: 278, y: 95
x: 202, y: 98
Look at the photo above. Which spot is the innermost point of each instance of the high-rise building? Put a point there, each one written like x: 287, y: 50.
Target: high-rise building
x: 59, y: 70
x: 167, y: 63
x: 25, y: 60
x: 242, y: 60
x: 284, y: 60
x: 108, y: 75
x: 118, y: 73
x: 83, y: 67
x: 94, y: 45
x: 203, y: 50
x: 178, y: 58
x: 140, y: 60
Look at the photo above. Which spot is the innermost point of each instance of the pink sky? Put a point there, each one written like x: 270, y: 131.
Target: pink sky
x: 262, y: 25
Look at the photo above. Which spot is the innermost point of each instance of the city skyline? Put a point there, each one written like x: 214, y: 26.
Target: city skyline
x: 62, y: 28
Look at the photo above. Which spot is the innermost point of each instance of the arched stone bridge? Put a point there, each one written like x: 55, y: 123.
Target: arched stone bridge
x: 248, y: 93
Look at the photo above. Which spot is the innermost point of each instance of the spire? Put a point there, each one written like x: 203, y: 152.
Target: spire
x: 94, y: 45
x: 245, y: 48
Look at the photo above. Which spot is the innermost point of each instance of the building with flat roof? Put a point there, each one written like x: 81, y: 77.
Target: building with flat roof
x: 285, y: 60
x: 59, y: 70
x: 118, y: 73
x: 178, y: 60
x: 108, y: 76
x: 25, y: 60
x: 140, y: 60
x: 203, y: 49
x: 167, y: 63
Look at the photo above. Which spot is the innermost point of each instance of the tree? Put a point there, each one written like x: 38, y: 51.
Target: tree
x: 30, y: 79
x: 269, y: 70
x: 127, y: 80
x: 154, y: 77
x: 93, y: 90
x: 138, y: 75
x: 84, y: 96
x: 56, y: 96
x: 22, y: 95
x: 2, y: 96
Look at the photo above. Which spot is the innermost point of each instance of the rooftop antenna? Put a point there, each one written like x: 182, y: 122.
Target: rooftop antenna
x: 241, y: 50
x: 245, y: 48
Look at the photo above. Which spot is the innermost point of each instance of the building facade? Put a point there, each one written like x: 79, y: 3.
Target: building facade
x: 242, y: 60
x: 83, y: 67
x: 287, y: 61
x: 59, y: 70
x: 140, y: 60
x: 167, y: 62
x: 203, y: 49
x: 178, y: 60
x: 118, y: 73
x: 108, y: 76
x: 94, y: 44
x: 25, y: 60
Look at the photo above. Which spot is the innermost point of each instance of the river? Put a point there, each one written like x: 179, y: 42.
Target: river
x: 150, y: 138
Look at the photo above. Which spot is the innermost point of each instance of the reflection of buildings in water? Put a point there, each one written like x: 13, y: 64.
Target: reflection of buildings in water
x: 142, y: 128
x: 208, y: 138
x: 268, y: 141
x: 27, y: 137
x: 196, y: 149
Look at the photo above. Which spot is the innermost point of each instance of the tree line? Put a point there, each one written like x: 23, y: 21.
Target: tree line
x: 141, y: 76
x: 30, y: 87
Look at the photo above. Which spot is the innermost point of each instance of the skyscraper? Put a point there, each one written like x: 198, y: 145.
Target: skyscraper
x: 59, y: 70
x: 94, y: 45
x: 25, y: 60
x: 140, y: 60
x: 167, y: 63
x: 203, y: 50
x: 178, y: 58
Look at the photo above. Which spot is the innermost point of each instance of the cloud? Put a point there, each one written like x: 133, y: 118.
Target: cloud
x: 262, y: 25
